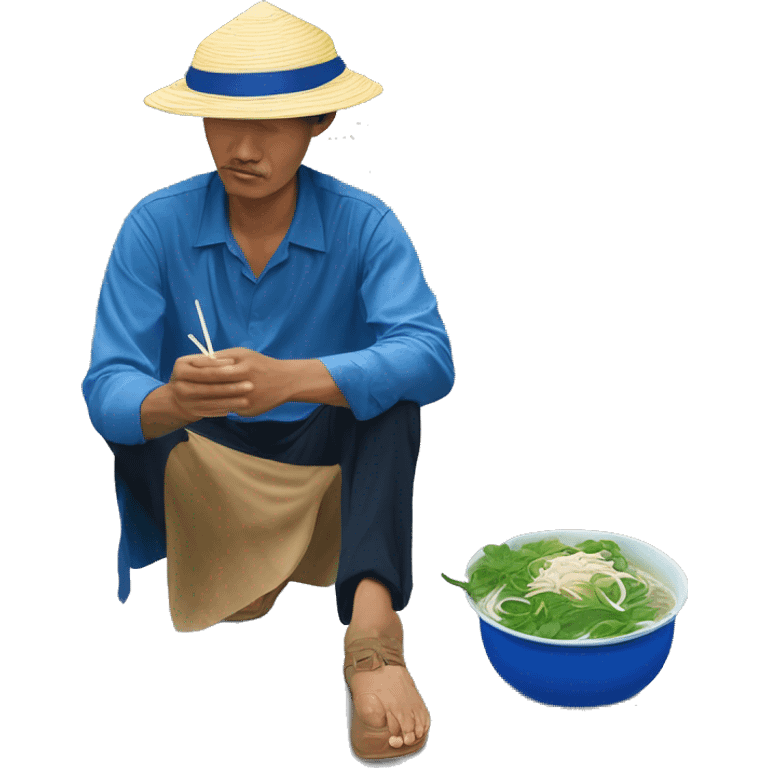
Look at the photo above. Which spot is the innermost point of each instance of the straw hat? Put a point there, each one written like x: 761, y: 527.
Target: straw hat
x: 265, y: 64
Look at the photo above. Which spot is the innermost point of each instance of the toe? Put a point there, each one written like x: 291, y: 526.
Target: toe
x: 407, y: 727
x: 371, y: 710
x: 396, y: 739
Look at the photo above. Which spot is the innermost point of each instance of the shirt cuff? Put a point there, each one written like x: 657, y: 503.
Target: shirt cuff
x: 352, y: 373
x: 121, y: 416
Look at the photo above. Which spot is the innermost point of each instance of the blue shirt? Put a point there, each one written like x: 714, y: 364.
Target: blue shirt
x: 345, y: 286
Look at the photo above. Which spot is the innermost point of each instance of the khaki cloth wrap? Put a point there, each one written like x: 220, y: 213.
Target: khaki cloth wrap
x: 237, y: 526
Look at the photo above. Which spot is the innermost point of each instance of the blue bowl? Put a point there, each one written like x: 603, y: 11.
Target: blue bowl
x: 586, y: 673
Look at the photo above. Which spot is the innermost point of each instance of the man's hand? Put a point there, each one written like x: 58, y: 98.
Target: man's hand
x: 237, y: 381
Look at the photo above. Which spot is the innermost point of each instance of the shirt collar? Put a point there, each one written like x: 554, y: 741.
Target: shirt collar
x: 306, y: 228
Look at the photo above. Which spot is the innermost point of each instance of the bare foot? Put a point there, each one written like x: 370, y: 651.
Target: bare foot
x: 387, y: 696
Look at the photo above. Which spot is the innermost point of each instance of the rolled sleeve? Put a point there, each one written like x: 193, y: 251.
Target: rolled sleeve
x: 116, y: 413
x: 351, y: 371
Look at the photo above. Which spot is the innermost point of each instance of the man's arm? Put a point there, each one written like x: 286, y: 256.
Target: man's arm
x: 306, y: 381
x: 310, y: 382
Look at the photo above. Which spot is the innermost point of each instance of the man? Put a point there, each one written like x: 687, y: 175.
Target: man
x: 285, y: 451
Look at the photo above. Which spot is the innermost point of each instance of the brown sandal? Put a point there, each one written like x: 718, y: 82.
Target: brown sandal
x: 368, y: 654
x: 269, y: 601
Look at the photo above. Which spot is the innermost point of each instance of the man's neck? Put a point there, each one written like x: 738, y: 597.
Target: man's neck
x: 255, y: 219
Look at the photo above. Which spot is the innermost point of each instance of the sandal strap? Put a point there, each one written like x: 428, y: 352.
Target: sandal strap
x: 369, y: 653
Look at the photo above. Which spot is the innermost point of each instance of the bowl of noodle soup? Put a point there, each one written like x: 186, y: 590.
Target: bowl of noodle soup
x: 588, y: 672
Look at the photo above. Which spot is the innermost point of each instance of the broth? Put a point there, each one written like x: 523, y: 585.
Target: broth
x: 660, y: 598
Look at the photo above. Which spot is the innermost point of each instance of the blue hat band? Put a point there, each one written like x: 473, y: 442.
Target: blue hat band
x: 264, y: 83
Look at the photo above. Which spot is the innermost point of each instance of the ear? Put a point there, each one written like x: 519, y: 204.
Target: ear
x: 324, y: 124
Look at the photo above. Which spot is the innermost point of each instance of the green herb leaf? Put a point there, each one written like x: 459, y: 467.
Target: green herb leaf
x: 462, y: 584
x: 552, y: 615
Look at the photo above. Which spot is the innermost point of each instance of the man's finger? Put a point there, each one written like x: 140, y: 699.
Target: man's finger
x: 204, y: 361
x: 212, y: 374
x: 194, y: 391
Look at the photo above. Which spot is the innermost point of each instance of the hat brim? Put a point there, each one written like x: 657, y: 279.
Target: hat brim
x: 346, y: 90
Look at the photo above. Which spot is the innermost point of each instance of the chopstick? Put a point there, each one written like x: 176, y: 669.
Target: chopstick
x: 205, y: 351
x: 199, y: 345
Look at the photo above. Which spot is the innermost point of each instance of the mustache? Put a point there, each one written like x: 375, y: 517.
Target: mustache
x: 244, y: 169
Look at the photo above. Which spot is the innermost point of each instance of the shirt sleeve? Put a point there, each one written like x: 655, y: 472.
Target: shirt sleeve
x: 411, y: 357
x: 127, y: 339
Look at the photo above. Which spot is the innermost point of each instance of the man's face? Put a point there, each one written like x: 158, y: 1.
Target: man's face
x: 257, y: 158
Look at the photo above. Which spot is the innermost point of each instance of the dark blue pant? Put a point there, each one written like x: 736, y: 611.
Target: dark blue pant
x: 378, y: 465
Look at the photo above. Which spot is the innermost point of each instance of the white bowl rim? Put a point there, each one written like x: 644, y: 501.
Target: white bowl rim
x: 680, y: 599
